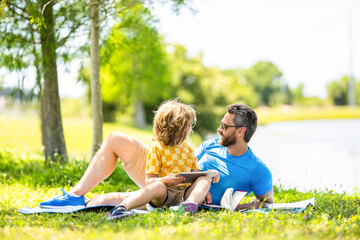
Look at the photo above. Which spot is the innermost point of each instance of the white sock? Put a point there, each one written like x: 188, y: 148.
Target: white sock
x: 73, y: 194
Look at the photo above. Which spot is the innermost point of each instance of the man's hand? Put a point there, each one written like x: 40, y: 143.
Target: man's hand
x: 261, y: 201
x: 216, y: 178
x: 208, y: 199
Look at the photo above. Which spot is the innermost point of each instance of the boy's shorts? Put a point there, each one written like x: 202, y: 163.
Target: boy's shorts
x: 135, y: 168
x: 174, y: 197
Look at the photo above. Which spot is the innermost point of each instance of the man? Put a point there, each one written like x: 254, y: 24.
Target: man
x: 230, y: 155
x: 239, y: 168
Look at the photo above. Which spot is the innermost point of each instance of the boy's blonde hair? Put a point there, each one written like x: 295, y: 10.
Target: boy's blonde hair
x: 173, y: 122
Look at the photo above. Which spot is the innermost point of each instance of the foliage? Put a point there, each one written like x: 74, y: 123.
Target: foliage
x: 335, y: 216
x: 35, y: 15
x: 3, y: 7
x: 198, y: 85
x: 25, y: 48
x: 135, y: 48
x: 338, y: 91
x: 241, y: 90
x: 29, y: 169
x: 265, y: 78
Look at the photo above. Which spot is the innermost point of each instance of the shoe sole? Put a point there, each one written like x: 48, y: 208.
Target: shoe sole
x: 60, y: 207
x: 190, y: 207
x: 111, y: 217
x: 185, y: 207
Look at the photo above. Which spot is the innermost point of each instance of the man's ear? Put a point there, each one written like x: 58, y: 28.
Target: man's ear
x: 242, y: 131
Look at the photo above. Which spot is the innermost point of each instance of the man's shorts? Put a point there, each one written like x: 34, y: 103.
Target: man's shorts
x: 135, y: 168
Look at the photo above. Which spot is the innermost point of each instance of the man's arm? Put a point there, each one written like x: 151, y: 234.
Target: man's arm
x: 261, y: 201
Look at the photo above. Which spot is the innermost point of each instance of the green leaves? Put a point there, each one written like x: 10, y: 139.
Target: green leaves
x: 3, y: 7
x: 35, y: 16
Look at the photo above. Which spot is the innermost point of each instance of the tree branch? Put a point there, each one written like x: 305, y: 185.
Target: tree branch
x: 43, y: 9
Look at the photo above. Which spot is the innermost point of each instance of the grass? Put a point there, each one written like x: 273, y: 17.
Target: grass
x: 25, y: 181
x: 290, y: 113
x: 24, y: 132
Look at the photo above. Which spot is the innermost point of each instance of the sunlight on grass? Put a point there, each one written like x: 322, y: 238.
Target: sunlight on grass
x: 24, y: 133
x: 24, y: 181
x: 291, y: 113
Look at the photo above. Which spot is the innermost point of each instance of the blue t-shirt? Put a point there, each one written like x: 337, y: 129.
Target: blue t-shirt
x: 245, y: 173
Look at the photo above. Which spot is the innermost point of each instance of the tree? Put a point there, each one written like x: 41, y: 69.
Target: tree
x: 110, y: 7
x: 25, y: 47
x: 206, y: 88
x: 265, y: 78
x: 140, y: 75
x: 96, y: 106
x: 338, y: 91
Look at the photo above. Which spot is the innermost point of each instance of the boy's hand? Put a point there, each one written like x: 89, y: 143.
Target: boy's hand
x: 173, y: 179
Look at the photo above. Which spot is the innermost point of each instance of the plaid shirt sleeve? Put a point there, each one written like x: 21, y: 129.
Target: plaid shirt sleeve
x: 153, y: 160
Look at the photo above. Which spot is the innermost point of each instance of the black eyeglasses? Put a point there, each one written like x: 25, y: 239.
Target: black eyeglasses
x: 225, y: 126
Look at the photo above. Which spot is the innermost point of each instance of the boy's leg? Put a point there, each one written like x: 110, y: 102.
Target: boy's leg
x: 198, y: 190
x: 116, y: 145
x: 156, y: 193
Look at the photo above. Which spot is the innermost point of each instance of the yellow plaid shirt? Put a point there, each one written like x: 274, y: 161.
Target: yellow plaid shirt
x: 163, y: 160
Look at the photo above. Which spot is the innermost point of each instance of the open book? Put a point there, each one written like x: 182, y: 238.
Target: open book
x: 230, y: 200
x: 302, y: 205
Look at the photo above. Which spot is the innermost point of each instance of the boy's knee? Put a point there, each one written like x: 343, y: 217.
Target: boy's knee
x: 204, y: 180
x: 158, y: 186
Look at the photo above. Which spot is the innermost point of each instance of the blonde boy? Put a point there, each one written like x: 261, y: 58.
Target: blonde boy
x: 166, y: 157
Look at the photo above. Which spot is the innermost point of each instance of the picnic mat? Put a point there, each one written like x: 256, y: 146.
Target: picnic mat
x: 29, y: 210
x: 295, y: 207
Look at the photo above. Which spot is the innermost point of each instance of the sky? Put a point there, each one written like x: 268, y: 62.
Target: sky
x: 309, y: 40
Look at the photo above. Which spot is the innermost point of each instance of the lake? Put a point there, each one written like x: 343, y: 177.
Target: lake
x: 308, y: 155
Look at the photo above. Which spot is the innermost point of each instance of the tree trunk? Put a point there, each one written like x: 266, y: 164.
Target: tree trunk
x: 51, y: 123
x: 96, y: 105
x: 140, y: 116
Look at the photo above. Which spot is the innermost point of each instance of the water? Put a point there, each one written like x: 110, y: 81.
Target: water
x: 308, y: 155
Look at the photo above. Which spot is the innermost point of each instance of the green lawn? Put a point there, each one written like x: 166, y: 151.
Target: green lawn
x: 24, y: 133
x: 25, y: 181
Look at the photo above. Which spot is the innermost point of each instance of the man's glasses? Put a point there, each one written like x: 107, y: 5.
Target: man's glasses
x: 225, y: 126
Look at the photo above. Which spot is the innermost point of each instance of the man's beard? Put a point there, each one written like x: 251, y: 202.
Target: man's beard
x: 227, y: 141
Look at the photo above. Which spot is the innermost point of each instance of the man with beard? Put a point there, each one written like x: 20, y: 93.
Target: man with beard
x: 239, y: 168
x: 230, y: 155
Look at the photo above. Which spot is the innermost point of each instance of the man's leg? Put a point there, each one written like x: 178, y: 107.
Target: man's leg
x: 198, y: 190
x: 116, y: 145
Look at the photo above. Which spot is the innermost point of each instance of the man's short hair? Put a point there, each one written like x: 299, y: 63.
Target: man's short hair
x: 244, y: 117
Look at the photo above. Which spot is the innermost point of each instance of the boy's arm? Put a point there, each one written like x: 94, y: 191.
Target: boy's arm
x: 171, y: 179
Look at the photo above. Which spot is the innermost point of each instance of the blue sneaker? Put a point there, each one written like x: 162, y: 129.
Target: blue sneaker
x: 185, y: 207
x: 64, y: 200
x: 119, y: 212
